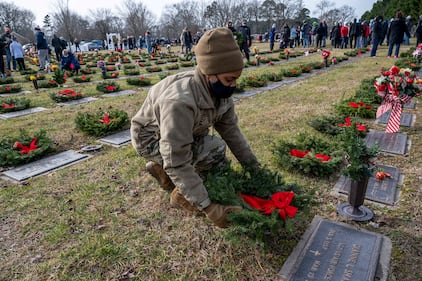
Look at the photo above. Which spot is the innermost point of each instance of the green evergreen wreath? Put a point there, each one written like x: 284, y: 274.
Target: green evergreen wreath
x: 131, y: 71
x: 327, y: 124
x: 11, y: 148
x: 309, y: 155
x: 47, y: 84
x: 14, y: 104
x: 7, y: 80
x: 139, y: 81
x: 102, y: 122
x: 108, y: 87
x: 153, y: 69
x: 351, y: 107
x: 225, y: 185
x: 6, y: 89
x: 66, y: 95
x: 81, y: 79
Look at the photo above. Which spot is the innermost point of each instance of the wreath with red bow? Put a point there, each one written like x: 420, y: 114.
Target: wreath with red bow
x: 24, y: 148
x: 270, y: 206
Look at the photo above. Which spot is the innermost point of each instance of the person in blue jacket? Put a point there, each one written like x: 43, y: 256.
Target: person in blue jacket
x: 69, y: 62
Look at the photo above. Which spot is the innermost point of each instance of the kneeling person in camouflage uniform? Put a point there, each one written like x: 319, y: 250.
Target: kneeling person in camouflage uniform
x: 171, y: 128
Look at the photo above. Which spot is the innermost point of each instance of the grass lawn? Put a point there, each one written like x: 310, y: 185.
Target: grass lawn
x: 106, y: 219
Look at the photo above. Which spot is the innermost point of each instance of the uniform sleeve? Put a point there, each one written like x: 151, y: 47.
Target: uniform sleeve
x: 229, y: 130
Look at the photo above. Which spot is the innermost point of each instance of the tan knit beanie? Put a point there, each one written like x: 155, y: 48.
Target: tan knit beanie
x: 217, y: 52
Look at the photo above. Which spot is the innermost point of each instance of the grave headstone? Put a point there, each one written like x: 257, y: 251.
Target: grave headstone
x: 406, y: 119
x: 16, y: 94
x: 79, y: 101
x: 120, y: 93
x: 383, y: 191
x: 337, y: 251
x: 44, y: 165
x: 118, y: 139
x: 394, y: 143
x: 19, y: 113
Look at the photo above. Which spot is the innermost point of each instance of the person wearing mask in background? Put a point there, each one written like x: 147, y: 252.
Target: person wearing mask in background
x: 376, y: 34
x: 42, y: 47
x: 17, y: 52
x: 172, y: 127
x: 395, y: 34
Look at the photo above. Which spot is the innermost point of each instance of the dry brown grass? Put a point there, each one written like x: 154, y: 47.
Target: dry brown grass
x: 106, y: 219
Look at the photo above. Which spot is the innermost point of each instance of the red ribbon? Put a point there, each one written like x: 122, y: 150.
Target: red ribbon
x: 110, y: 88
x: 106, y: 119
x: 279, y: 200
x: 301, y: 154
x: 25, y: 149
x: 6, y: 105
x: 393, y: 102
x: 348, y: 123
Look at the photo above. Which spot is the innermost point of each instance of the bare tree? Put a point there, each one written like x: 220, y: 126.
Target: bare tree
x: 19, y: 20
x: 137, y: 17
x: 346, y: 13
x: 219, y: 12
x: 103, y: 21
x: 323, y: 7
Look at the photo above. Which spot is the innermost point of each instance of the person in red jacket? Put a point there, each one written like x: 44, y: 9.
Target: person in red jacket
x: 344, y: 33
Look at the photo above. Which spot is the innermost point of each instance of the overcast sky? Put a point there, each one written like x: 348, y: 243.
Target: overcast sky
x: 41, y: 8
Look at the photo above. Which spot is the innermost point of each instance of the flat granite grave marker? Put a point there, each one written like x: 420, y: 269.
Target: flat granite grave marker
x: 19, y: 113
x: 337, y: 251
x: 44, y: 165
x: 16, y: 94
x: 406, y: 119
x: 79, y: 101
x: 120, y: 93
x: 394, y: 143
x: 383, y: 191
x: 410, y: 105
x: 117, y: 139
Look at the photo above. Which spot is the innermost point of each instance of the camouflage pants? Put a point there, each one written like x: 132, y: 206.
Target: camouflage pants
x: 208, y: 152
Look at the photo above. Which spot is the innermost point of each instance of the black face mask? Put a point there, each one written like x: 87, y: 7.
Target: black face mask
x: 220, y: 90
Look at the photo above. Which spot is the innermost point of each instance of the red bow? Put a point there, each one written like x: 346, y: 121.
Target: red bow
x: 298, y: 153
x: 348, y: 123
x: 301, y: 154
x: 25, y: 149
x: 279, y: 200
x: 106, y: 119
x: 6, y: 105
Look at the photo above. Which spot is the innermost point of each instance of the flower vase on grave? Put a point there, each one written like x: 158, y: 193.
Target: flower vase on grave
x: 354, y: 210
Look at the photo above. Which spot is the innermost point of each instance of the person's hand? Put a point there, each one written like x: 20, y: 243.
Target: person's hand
x: 218, y: 213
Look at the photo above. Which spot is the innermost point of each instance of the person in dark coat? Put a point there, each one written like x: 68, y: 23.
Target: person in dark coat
x: 418, y: 31
x: 285, y: 37
x: 377, y: 34
x: 246, y: 38
x: 57, y: 44
x: 395, y: 34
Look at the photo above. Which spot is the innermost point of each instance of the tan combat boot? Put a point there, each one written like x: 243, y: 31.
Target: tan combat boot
x: 160, y: 175
x: 218, y: 213
x: 177, y: 200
